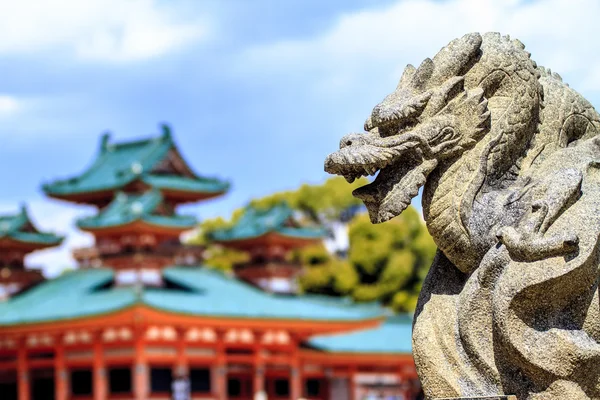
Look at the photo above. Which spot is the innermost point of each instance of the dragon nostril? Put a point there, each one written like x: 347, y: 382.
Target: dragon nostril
x: 352, y: 139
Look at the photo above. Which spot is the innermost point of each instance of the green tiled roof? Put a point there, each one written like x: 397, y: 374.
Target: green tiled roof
x: 185, y: 184
x: 211, y: 293
x: 256, y: 222
x: 118, y: 164
x: 125, y: 209
x: 18, y: 227
x: 394, y: 336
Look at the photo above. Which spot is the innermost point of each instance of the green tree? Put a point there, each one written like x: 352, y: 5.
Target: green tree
x: 386, y: 262
x: 391, y: 259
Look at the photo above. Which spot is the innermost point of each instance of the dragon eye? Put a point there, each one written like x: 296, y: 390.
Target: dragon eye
x: 444, y: 134
x: 447, y: 133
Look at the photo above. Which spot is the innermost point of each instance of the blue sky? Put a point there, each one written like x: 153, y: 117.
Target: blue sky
x: 257, y: 92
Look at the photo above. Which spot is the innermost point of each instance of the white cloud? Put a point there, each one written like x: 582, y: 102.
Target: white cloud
x: 105, y: 30
x: 9, y: 105
x: 53, y: 216
x: 374, y: 46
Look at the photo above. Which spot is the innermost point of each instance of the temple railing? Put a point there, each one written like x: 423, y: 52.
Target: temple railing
x: 181, y: 254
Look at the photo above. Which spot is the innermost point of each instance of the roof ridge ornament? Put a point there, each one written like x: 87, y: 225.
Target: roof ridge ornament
x: 166, y: 131
x: 121, y: 196
x: 104, y: 141
x: 137, y: 168
x: 23, y: 209
x: 137, y: 207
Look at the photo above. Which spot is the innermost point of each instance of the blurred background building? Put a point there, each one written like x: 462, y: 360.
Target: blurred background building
x: 273, y: 86
x: 142, y: 311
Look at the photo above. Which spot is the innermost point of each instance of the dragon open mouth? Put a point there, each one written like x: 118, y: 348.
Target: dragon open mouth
x: 402, y: 171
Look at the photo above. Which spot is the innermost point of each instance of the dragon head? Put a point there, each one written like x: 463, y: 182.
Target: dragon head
x: 429, y: 120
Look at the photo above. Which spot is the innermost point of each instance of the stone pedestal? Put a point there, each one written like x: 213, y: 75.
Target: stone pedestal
x: 481, y: 398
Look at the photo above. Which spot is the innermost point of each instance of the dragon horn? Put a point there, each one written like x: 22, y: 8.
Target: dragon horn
x: 407, y: 75
x: 455, y: 58
x: 421, y: 77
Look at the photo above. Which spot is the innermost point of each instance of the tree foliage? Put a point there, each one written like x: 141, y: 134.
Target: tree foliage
x: 385, y: 262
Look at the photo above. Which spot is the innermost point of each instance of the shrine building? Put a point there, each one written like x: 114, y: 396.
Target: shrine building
x: 18, y: 238
x: 142, y: 310
x: 268, y: 236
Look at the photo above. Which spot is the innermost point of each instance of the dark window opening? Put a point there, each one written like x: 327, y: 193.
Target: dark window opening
x: 160, y: 380
x: 200, y: 381
x: 42, y: 384
x: 81, y: 382
x: 239, y: 387
x: 8, y: 390
x: 234, y: 387
x: 8, y: 385
x: 282, y: 387
x: 312, y: 387
x: 119, y: 380
x: 259, y: 259
x: 128, y: 249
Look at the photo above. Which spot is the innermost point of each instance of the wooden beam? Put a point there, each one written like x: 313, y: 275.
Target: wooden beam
x: 117, y: 318
x: 125, y: 316
x: 315, y: 327
x: 365, y: 359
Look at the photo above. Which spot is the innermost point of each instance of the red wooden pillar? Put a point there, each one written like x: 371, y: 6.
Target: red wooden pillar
x: 181, y: 362
x: 296, y: 383
x: 295, y: 373
x: 405, y: 386
x: 22, y: 372
x: 99, y: 370
x: 221, y: 367
x: 61, y: 389
x: 141, y: 384
x: 352, y: 383
x: 259, y: 379
x: 259, y: 368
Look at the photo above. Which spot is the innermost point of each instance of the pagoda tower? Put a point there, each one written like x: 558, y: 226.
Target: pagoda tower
x: 268, y: 236
x: 137, y: 186
x: 18, y: 238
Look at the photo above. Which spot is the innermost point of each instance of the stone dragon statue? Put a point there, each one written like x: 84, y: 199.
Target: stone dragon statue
x: 508, y: 157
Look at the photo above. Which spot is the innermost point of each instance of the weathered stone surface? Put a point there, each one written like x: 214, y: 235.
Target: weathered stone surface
x: 508, y: 157
x: 481, y: 398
